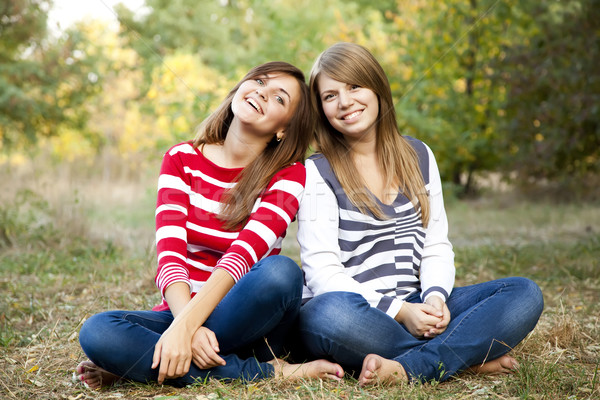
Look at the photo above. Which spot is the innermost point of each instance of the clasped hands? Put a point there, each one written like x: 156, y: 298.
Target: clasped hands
x: 177, y: 348
x: 427, y: 319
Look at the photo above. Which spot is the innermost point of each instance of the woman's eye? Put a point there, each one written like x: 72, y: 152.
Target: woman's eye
x: 328, y: 97
x: 279, y: 99
x: 260, y: 82
x: 354, y: 87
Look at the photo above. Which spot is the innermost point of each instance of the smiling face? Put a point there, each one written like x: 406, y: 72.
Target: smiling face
x: 266, y: 104
x: 350, y: 109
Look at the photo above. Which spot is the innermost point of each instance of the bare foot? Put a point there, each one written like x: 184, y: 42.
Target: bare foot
x: 322, y: 369
x: 501, y: 365
x: 378, y: 369
x: 93, y: 376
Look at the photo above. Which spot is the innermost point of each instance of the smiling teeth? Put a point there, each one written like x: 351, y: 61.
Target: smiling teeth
x: 255, y: 105
x: 350, y: 116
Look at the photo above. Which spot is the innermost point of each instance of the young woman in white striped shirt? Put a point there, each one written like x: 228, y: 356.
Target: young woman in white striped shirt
x: 379, y: 268
x: 224, y: 203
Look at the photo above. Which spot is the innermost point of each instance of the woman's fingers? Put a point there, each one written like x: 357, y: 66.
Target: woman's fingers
x: 205, y: 348
x: 156, y: 356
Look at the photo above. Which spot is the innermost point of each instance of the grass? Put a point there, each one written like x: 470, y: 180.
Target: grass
x: 72, y: 245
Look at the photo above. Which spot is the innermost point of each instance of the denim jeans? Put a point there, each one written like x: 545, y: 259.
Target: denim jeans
x: 250, y: 324
x: 487, y: 321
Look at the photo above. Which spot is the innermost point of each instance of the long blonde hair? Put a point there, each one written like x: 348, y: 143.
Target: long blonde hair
x: 353, y: 64
x: 254, y: 178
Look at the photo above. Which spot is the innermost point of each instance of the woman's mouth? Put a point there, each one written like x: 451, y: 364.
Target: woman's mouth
x: 352, y: 115
x: 254, y: 104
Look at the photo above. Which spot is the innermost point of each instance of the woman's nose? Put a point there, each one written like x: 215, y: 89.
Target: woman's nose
x: 261, y: 94
x: 345, y: 99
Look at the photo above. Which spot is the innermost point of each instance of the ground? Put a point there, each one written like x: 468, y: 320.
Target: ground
x: 77, y: 246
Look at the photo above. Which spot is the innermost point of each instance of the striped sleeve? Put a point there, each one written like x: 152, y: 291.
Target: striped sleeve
x: 272, y: 214
x: 171, y: 215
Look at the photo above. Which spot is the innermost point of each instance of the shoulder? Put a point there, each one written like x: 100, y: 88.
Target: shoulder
x: 181, y: 153
x: 424, y: 154
x: 183, y: 148
x: 318, y: 164
x: 293, y: 173
x: 419, y: 146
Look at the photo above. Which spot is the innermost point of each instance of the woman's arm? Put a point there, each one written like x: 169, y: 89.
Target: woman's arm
x: 172, y: 204
x: 437, y: 264
x: 318, y: 220
x: 173, y: 352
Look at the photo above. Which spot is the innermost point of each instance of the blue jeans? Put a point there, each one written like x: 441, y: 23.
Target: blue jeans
x: 488, y: 320
x: 262, y: 305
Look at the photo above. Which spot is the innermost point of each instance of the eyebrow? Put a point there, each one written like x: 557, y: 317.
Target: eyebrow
x: 282, y: 90
x: 286, y: 93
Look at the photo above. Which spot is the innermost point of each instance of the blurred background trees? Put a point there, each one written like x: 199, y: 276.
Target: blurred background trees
x: 505, y: 86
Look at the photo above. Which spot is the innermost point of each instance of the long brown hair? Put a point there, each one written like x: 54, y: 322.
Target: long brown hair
x: 353, y: 64
x: 255, y: 177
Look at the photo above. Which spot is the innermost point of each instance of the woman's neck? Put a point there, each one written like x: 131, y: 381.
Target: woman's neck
x: 237, y: 151
x: 365, y: 147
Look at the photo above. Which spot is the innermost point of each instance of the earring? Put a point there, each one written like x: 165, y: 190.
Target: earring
x: 278, y: 139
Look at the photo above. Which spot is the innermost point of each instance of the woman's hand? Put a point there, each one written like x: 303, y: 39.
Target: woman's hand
x: 173, y: 352
x: 441, y: 306
x: 420, y: 319
x: 205, y: 348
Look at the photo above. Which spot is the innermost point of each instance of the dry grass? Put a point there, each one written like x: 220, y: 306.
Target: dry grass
x: 71, y: 246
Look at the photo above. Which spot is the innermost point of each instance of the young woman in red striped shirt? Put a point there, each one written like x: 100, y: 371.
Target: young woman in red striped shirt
x: 224, y: 203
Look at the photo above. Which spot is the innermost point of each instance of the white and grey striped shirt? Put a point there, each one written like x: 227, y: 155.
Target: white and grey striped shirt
x: 343, y: 249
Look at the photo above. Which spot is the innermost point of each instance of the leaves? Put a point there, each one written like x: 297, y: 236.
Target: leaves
x: 487, y: 84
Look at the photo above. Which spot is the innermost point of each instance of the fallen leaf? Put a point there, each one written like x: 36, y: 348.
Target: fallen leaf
x: 33, y: 369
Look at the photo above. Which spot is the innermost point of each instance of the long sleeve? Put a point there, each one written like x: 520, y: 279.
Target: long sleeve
x: 172, y: 204
x: 437, y: 264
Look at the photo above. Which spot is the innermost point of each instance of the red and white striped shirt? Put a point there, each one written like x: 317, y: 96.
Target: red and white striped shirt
x: 190, y: 239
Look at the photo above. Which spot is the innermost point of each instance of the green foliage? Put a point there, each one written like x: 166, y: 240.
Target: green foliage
x: 552, y: 126
x: 442, y: 77
x: 235, y: 35
x: 44, y: 81
x: 487, y: 84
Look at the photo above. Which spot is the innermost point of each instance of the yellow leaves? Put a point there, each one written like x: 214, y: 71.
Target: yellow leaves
x: 152, y: 93
x: 13, y: 159
x: 181, y: 124
x: 33, y: 369
x: 480, y: 108
x: 406, y: 72
x: 460, y: 85
x: 140, y: 132
x: 539, y: 137
x: 69, y: 145
x: 251, y: 388
x: 183, y: 77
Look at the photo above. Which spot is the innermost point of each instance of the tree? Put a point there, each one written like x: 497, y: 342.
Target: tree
x: 552, y: 126
x: 442, y: 78
x: 43, y: 80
